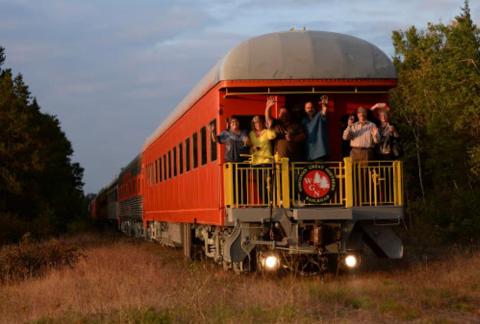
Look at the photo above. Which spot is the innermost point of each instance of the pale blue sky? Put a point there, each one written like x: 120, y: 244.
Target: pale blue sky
x: 112, y: 70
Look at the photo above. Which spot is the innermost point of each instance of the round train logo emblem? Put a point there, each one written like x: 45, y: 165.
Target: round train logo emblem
x: 316, y: 183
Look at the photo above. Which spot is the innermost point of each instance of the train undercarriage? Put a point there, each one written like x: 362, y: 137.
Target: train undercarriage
x: 306, y: 241
x: 270, y: 225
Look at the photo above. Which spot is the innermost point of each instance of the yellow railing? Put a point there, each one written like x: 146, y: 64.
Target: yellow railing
x: 248, y: 185
x: 373, y: 183
x: 377, y: 183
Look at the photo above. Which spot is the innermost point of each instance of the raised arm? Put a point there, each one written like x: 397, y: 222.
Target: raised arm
x: 347, y: 133
x: 268, y: 107
x: 211, y: 130
x: 323, y: 106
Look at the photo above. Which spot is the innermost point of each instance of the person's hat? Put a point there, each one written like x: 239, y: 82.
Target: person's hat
x: 380, y: 106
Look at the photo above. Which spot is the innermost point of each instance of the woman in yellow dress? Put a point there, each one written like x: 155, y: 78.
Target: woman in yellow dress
x: 262, y: 158
x: 260, y: 138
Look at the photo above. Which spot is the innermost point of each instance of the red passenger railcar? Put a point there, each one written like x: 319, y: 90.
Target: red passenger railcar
x: 180, y: 191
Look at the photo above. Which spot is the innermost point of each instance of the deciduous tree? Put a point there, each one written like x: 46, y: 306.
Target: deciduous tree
x: 438, y: 105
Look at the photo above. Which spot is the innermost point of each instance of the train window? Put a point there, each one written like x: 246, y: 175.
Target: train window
x: 160, y: 169
x: 154, y: 172
x: 203, y: 138
x: 165, y: 174
x: 180, y: 155
x: 213, y: 145
x: 157, y: 169
x: 149, y: 174
x: 160, y: 173
x: 152, y: 175
x: 195, y: 150
x: 187, y: 155
x: 175, y: 161
x: 169, y: 164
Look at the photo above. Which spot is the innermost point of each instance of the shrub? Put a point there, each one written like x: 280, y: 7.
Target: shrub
x: 28, y: 259
x: 11, y: 228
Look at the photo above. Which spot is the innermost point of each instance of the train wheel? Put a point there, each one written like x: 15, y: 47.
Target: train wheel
x: 311, y: 265
x: 333, y: 263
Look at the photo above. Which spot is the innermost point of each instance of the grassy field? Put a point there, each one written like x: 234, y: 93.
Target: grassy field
x: 127, y: 281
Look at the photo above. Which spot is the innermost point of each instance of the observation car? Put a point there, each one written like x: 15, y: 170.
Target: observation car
x: 179, y: 190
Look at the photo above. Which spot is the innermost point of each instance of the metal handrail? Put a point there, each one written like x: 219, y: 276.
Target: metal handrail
x: 372, y: 183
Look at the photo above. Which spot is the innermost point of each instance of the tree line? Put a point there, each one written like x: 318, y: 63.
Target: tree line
x: 41, y: 189
x: 437, y: 108
x: 436, y: 105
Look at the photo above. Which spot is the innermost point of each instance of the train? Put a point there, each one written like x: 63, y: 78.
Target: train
x: 179, y: 190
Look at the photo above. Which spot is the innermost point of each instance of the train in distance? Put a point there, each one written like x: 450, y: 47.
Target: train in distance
x: 296, y: 215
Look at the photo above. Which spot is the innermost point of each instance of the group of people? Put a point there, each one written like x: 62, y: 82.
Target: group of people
x: 369, y: 140
x: 305, y: 140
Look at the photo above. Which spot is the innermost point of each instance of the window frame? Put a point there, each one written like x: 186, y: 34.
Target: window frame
x: 169, y: 164
x: 165, y: 166
x: 195, y: 150
x: 213, y: 144
x: 174, y: 161
x: 188, y: 164
x: 180, y: 156
x: 203, y: 148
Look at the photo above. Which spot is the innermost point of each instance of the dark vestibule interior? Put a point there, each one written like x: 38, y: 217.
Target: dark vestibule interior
x: 340, y: 107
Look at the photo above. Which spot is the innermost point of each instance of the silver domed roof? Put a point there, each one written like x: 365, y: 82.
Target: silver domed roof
x: 305, y: 55
x: 290, y: 55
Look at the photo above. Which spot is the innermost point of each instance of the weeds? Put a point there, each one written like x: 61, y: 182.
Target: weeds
x: 125, y: 281
x: 27, y: 259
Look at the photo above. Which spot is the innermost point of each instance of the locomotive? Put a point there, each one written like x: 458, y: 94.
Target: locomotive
x: 179, y: 191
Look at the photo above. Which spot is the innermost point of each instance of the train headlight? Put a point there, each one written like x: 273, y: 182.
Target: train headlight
x: 270, y: 262
x: 351, y: 261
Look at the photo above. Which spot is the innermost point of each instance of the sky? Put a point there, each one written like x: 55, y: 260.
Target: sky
x: 112, y: 70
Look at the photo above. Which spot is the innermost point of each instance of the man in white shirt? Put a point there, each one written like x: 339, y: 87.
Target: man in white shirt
x: 363, y: 135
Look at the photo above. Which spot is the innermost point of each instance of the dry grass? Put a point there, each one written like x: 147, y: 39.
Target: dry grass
x: 31, y: 259
x: 122, y: 280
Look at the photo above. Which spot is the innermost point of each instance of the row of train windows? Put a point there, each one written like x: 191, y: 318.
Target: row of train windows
x: 129, y: 188
x: 172, y: 162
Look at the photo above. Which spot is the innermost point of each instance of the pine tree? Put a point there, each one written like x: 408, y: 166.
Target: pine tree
x: 40, y: 187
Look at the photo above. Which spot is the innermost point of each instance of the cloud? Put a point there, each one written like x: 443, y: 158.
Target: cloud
x: 112, y: 70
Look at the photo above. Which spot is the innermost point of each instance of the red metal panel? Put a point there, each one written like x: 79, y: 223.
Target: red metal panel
x: 193, y: 196
x: 197, y: 195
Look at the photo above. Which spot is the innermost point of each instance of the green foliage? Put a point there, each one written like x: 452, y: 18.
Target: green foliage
x: 39, y: 184
x: 438, y: 109
x: 27, y: 259
x: 475, y: 160
x: 12, y: 227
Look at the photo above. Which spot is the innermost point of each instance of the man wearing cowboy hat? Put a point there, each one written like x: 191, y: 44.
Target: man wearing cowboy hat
x: 363, y: 135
